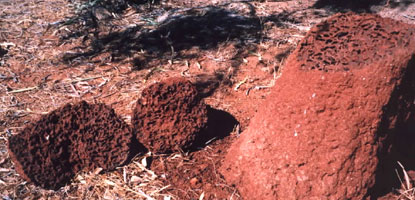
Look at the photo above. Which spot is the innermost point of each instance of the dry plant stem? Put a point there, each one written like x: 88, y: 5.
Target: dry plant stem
x: 23, y: 90
x: 407, y: 191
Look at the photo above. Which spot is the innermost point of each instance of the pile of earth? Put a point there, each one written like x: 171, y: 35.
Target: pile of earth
x: 338, y: 119
x: 169, y: 117
x: 72, y: 138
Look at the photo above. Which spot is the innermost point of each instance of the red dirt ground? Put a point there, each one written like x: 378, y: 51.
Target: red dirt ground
x: 40, y: 72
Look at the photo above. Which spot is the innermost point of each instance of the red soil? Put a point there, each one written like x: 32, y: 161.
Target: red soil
x: 197, y: 173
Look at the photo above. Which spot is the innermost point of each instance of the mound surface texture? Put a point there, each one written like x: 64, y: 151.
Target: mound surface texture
x: 72, y: 138
x: 169, y: 116
x: 344, y: 94
x: 348, y: 42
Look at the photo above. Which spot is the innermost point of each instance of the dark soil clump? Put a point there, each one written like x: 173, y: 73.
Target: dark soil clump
x: 169, y: 116
x: 52, y: 150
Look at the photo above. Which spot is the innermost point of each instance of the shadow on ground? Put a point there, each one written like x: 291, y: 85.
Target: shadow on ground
x: 360, y: 6
x: 220, y: 124
x: 194, y: 29
x: 402, y: 4
x: 2, y: 52
x: 398, y: 142
x: 206, y: 29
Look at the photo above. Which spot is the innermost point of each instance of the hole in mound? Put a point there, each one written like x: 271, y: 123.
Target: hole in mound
x: 398, y: 142
x: 349, y: 41
x: 220, y: 124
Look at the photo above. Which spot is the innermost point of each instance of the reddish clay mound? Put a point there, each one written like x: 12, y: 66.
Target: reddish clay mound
x: 169, y: 116
x: 322, y: 132
x: 350, y: 41
x: 75, y: 137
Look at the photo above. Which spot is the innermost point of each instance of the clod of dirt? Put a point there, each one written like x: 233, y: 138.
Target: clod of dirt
x: 169, y: 116
x: 74, y: 137
x: 332, y: 133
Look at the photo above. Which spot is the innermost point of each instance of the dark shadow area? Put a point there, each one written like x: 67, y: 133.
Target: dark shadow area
x: 284, y: 54
x: 220, y: 124
x: 92, y: 16
x: 360, y: 6
x: 398, y: 141
x: 345, y: 6
x: 2, y: 52
x: 402, y: 4
x: 136, y: 148
x: 180, y: 34
x: 204, y: 30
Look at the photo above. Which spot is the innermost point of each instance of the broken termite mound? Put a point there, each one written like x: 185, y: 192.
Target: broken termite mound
x: 337, y: 114
x: 169, y: 116
x: 82, y: 136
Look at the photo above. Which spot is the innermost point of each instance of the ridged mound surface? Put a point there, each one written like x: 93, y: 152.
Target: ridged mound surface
x: 350, y: 41
x: 169, y: 115
x: 72, y: 138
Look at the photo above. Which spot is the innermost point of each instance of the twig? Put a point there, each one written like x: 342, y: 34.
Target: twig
x: 408, y: 190
x: 23, y: 90
x: 6, y: 44
x: 198, y: 65
x: 159, y: 190
x: 74, y: 90
x: 240, y: 83
x: 277, y: 74
x: 151, y: 72
x: 85, y: 79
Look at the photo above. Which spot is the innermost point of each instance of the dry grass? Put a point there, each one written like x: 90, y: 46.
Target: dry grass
x: 133, y: 181
x: 24, y: 99
x: 407, y: 191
